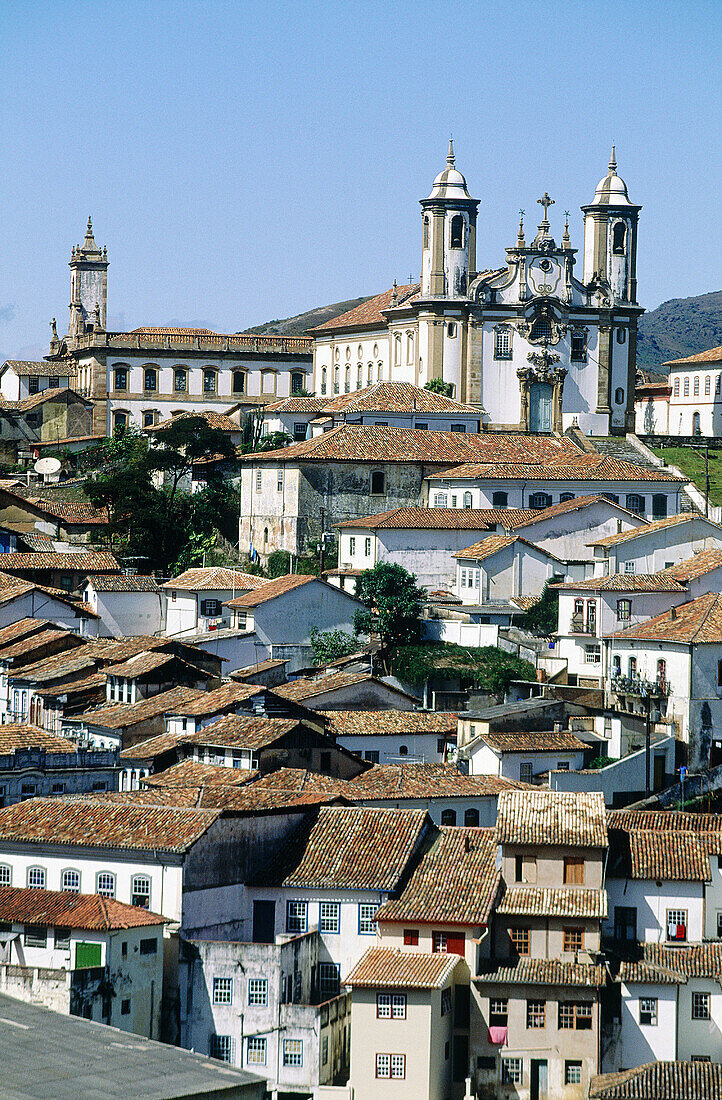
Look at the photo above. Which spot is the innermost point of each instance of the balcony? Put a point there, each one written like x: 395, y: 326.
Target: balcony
x: 640, y: 688
x: 578, y: 626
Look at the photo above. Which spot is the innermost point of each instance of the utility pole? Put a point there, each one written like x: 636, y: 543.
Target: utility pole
x: 321, y: 548
x: 648, y: 748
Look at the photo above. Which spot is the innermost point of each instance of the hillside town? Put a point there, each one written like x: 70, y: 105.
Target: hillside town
x: 361, y: 689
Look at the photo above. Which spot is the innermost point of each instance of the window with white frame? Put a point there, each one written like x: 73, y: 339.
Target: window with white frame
x: 70, y: 881
x: 526, y: 771
x: 648, y: 1011
x: 572, y: 1073
x: 222, y: 991
x: 367, y: 548
x: 258, y: 992
x: 6, y: 875
x: 366, y: 913
x: 511, y: 1071
x: 296, y: 916
x: 391, y: 1006
x: 222, y: 1047
x: 293, y: 1052
x: 105, y: 884
x: 624, y: 610
x: 592, y: 654
x: 707, y: 385
x: 700, y: 1006
x: 255, y: 1051
x: 329, y: 917
x: 441, y: 500
x: 352, y: 545
x: 630, y: 567
x: 36, y: 878
x: 329, y: 978
x: 677, y: 924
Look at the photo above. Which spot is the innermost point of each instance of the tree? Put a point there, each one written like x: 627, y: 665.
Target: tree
x: 278, y: 564
x: 438, y: 385
x: 328, y: 645
x: 490, y: 668
x: 273, y: 441
x: 393, y: 600
x: 543, y: 617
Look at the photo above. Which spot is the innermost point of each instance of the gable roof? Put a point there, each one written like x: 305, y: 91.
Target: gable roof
x: 119, y: 715
x: 712, y: 355
x: 694, y: 623
x: 429, y: 781
x: 123, y: 583
x: 577, y: 504
x: 533, y: 741
x: 217, y: 578
x: 625, y: 582
x: 193, y: 773
x: 534, y: 901
x: 90, y: 912
x: 447, y: 519
x: 270, y: 590
x: 381, y: 723
x: 370, y: 313
x: 205, y: 703
x: 24, y: 735
x: 27, y: 367
x: 660, y: 1081
x: 305, y: 688
x: 580, y: 467
x: 528, y: 971
x: 350, y: 848
x: 456, y: 881
x: 656, y: 525
x: 494, y: 544
x: 213, y: 419
x: 97, y: 561
x: 402, y: 397
x: 389, y: 967
x: 701, y: 563
x: 552, y: 818
x: 657, y: 963
x: 669, y: 855
x: 91, y: 824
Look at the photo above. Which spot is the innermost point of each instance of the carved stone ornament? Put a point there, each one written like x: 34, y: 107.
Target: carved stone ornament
x: 544, y: 313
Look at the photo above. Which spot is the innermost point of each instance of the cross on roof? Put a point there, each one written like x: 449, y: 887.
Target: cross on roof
x: 546, y: 202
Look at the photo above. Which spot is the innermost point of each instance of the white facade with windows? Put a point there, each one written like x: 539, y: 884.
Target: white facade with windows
x: 695, y: 401
x: 517, y: 568
x: 656, y: 547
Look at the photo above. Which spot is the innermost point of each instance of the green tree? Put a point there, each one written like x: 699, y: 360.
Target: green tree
x: 273, y: 441
x: 279, y: 563
x: 328, y: 645
x: 393, y: 602
x: 543, y: 617
x: 438, y: 385
x: 490, y: 668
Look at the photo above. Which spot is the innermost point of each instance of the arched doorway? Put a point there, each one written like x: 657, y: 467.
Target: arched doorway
x: 540, y: 407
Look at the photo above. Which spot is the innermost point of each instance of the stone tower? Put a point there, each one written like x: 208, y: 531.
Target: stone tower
x: 448, y: 218
x: 610, y: 236
x: 88, y: 287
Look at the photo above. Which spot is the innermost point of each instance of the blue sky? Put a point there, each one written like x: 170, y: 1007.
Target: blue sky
x: 244, y: 161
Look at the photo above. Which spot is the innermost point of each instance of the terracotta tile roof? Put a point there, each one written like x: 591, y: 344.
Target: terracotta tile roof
x: 71, y: 511
x: 376, y: 723
x: 297, y: 405
x: 534, y: 741
x: 23, y: 735
x: 447, y: 519
x: 260, y: 666
x: 525, y: 603
x: 26, y: 646
x: 92, y: 685
x: 22, y: 628
x: 349, y: 848
x: 660, y: 1081
x: 150, y: 330
x: 192, y: 773
x: 91, y: 824
x: 705, y: 561
x: 215, y: 578
x: 119, y: 715
x: 669, y: 855
x: 271, y: 589
x: 566, y: 506
x: 526, y: 971
x: 534, y: 901
x: 664, y: 819
x: 370, y: 313
x: 135, y: 583
x: 206, y: 703
x: 624, y: 582
x: 27, y: 367
x: 650, y: 528
x: 696, y: 622
x: 456, y: 881
x: 213, y: 419
x: 305, y: 688
x: 552, y: 817
x: 142, y: 664
x: 232, y: 732
x: 240, y: 799
x: 90, y: 912
x: 300, y: 779
x: 430, y: 781
x: 670, y: 965
x: 388, y: 968
x: 493, y: 544
x: 712, y: 355
x: 402, y: 397
x: 99, y: 561
x: 41, y: 398
x: 375, y: 443
x: 587, y: 467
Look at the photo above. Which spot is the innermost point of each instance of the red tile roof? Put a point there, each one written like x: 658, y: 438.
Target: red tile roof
x: 582, y: 467
x: 122, y: 583
x: 213, y: 419
x: 493, y: 544
x: 664, y: 819
x: 527, y: 971
x: 120, y: 715
x: 430, y: 781
x: 669, y: 855
x: 535, y: 901
x: 701, y: 563
x: 389, y: 968
x: 650, y: 528
x: 90, y: 912
x: 192, y: 773
x: 380, y: 723
x: 23, y: 735
x: 534, y: 741
x: 697, y: 622
x: 370, y: 313
x: 552, y: 818
x: 99, y: 561
x: 270, y: 590
x: 447, y: 519
x: 624, y: 582
x: 400, y: 397
x: 712, y: 355
x: 456, y: 881
x: 657, y: 963
x: 660, y: 1081
x: 75, y: 512
x: 217, y: 578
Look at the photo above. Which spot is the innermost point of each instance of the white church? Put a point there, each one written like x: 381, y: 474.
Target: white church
x: 534, y: 347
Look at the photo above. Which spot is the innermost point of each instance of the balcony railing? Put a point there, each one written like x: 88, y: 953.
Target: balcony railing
x: 640, y: 687
x: 578, y: 626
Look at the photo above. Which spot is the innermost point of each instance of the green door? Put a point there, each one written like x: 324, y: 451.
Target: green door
x: 87, y: 955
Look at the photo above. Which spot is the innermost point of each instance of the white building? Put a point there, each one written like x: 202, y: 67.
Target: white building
x: 656, y: 546
x: 196, y: 597
x: 502, y: 566
x: 20, y: 379
x: 506, y: 339
x: 84, y: 954
x: 695, y: 400
x: 126, y: 605
x: 524, y: 755
x: 395, y: 736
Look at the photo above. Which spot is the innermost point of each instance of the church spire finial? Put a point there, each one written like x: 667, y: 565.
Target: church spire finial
x: 613, y: 162
x: 566, y: 239
x: 520, y: 232
x: 89, y: 241
x: 450, y: 159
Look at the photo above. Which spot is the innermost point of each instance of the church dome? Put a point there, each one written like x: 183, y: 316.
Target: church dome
x: 449, y: 184
x: 612, y: 190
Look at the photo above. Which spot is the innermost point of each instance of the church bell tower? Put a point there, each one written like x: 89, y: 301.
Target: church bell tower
x: 88, y: 286
x: 610, y: 236
x: 448, y: 247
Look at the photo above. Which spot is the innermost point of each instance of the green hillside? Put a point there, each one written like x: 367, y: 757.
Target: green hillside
x: 680, y: 327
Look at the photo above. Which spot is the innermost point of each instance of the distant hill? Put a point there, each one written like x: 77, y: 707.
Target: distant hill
x: 297, y: 326
x: 680, y: 327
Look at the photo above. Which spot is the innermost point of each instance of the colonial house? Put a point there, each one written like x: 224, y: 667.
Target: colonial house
x: 126, y: 605
x: 34, y: 763
x: 395, y: 736
x: 29, y: 511
x: 525, y: 755
x: 21, y: 600
x: 695, y: 400
x: 651, y: 403
x: 347, y: 691
x: 501, y: 567
x: 656, y: 546
x: 64, y: 571
x: 20, y: 378
x: 55, y: 418
x: 196, y: 597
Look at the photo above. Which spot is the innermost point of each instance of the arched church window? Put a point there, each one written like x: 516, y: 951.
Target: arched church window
x: 359, y: 376
x: 337, y: 354
x: 323, y: 380
x: 457, y: 231
x: 619, y: 236
x: 696, y: 385
x: 348, y: 353
x: 347, y: 385
x: 696, y: 425
x: 468, y: 500
x: 676, y: 387
x: 619, y: 395
x: 380, y: 373
x: 541, y: 329
x: 635, y: 503
x: 707, y: 385
x: 397, y: 349
x: 502, y: 342
x: 426, y: 231
x: 336, y: 380
x: 686, y: 387
x: 370, y: 374
x: 451, y: 330
x: 621, y: 335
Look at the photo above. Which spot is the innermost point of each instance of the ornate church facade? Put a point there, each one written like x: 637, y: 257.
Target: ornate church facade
x: 532, y: 345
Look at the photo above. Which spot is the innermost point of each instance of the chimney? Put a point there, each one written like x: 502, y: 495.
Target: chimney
x: 673, y: 613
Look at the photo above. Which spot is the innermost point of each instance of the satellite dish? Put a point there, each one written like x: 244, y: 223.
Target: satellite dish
x: 47, y: 466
